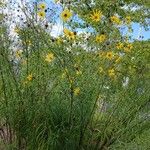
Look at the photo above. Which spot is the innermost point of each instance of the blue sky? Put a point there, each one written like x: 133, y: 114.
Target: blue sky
x: 136, y: 28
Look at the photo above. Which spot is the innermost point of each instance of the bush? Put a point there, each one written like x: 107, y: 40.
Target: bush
x: 74, y: 91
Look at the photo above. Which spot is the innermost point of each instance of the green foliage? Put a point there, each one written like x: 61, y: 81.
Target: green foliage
x: 61, y: 94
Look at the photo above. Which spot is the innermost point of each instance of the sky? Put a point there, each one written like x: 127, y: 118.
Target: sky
x: 137, y: 30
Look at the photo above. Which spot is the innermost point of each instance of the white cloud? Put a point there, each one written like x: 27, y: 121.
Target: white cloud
x: 57, y: 29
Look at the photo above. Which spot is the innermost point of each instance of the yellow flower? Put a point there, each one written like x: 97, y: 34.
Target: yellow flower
x: 96, y: 15
x: 109, y: 55
x: 119, y: 45
x: 30, y: 77
x: 111, y: 72
x: 28, y: 42
x: 100, y: 38
x: 115, y: 20
x: 76, y: 91
x: 66, y: 15
x: 59, y: 40
x: 69, y: 34
x: 128, y: 47
x: 102, y: 54
x: 49, y: 57
x: 18, y: 53
x: 78, y: 72
x: 42, y: 6
x: 16, y: 29
x: 128, y: 19
x: 41, y: 14
x: 66, y: 31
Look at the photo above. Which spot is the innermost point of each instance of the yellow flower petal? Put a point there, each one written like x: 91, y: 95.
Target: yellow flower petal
x: 115, y: 20
x: 100, y: 38
x: 111, y: 72
x: 76, y: 91
x: 96, y: 15
x: 69, y: 34
x: 30, y: 77
x: 49, y: 57
x: 109, y: 55
x: 41, y: 14
x: 42, y: 6
x: 66, y: 15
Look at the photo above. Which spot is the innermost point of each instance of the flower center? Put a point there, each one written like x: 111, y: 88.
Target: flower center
x: 65, y: 15
x: 96, y: 17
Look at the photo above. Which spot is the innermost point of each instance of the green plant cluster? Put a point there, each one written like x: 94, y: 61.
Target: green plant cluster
x: 59, y: 94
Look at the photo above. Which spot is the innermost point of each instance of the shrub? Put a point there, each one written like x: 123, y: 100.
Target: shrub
x: 76, y: 91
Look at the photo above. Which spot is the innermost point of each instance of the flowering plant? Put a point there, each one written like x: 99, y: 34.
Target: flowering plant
x: 86, y: 87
